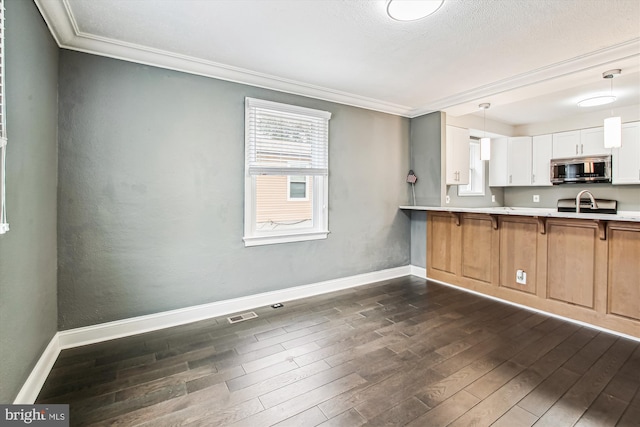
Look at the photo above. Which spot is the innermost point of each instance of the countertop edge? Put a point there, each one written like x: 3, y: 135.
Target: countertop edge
x: 629, y: 216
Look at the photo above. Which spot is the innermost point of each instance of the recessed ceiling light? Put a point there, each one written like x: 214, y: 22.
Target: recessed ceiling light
x: 597, y: 100
x: 410, y: 10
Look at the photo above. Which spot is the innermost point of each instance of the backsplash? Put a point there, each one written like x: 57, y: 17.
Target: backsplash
x: 628, y: 196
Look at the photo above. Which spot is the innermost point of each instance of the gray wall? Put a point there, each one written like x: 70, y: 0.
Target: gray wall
x: 477, y: 201
x: 628, y: 196
x: 28, y: 309
x: 426, y: 163
x: 151, y: 193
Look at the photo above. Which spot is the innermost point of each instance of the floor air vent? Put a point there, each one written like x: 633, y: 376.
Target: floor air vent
x: 242, y: 317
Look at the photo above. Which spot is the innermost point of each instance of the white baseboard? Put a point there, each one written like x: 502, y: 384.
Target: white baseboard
x: 31, y: 388
x: 137, y: 325
x: 420, y: 272
x: 526, y: 307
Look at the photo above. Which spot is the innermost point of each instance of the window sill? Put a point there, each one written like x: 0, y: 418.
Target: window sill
x: 286, y: 238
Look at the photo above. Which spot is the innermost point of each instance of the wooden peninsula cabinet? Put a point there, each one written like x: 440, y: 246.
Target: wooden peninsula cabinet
x: 584, y: 269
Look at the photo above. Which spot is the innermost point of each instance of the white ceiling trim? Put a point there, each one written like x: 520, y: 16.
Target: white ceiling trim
x: 61, y: 22
x: 599, y: 58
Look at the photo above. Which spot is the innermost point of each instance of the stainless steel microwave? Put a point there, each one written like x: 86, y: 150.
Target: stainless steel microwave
x: 581, y: 170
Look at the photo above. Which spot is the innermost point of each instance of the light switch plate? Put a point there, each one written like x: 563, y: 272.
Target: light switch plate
x: 521, y: 277
x: 447, y: 199
x: 536, y: 198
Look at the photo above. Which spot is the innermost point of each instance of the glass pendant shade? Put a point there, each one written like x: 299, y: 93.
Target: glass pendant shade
x: 485, y: 149
x: 612, y: 132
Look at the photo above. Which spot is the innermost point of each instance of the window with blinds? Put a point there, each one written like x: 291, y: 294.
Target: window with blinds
x: 286, y: 173
x: 4, y: 226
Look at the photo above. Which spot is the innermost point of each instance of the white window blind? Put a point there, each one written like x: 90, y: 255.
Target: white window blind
x: 285, y: 139
x: 4, y: 226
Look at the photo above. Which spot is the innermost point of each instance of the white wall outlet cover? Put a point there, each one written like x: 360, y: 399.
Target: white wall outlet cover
x: 521, y: 277
x: 536, y: 198
x: 493, y: 198
x: 447, y: 199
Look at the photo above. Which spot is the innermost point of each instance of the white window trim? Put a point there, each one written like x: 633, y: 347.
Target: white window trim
x: 306, y: 190
x: 482, y: 163
x: 4, y: 225
x: 320, y: 229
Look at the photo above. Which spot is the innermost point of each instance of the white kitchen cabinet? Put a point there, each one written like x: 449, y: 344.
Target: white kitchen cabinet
x: 457, y: 152
x: 592, y: 142
x: 498, y: 164
x: 584, y: 142
x: 566, y: 144
x: 541, y: 154
x: 519, y: 161
x: 625, y: 160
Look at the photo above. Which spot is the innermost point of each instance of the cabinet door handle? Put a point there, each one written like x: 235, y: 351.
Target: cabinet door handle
x: 576, y: 148
x: 510, y: 179
x: 533, y: 178
x: 581, y: 149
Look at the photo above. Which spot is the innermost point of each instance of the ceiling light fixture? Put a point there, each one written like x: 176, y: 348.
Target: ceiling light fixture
x: 597, y: 100
x: 485, y: 143
x: 411, y: 10
x: 612, y: 125
x: 602, y: 99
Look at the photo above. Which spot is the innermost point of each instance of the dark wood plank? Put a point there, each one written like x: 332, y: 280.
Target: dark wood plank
x: 397, y: 352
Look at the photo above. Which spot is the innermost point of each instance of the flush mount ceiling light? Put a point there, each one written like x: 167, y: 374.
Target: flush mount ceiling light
x: 597, y: 100
x: 411, y: 10
x: 603, y: 99
x: 485, y: 143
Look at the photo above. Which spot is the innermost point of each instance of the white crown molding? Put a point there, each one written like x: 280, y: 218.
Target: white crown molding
x: 59, y: 18
x: 596, y: 59
x: 61, y: 22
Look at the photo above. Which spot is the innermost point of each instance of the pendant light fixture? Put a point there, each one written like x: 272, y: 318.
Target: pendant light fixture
x: 612, y: 125
x: 411, y: 10
x: 485, y: 143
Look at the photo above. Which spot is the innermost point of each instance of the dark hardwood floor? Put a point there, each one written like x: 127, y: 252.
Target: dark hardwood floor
x: 394, y: 353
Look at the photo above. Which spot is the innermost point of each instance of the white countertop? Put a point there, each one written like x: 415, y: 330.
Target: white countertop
x: 631, y: 216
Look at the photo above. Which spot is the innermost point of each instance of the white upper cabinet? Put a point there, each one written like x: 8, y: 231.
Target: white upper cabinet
x: 457, y: 152
x: 626, y: 159
x: 592, y: 142
x: 566, y: 144
x: 541, y: 154
x: 519, y: 161
x: 498, y: 164
x: 584, y: 142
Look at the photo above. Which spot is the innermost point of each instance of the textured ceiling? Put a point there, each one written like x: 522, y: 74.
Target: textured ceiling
x: 352, y: 52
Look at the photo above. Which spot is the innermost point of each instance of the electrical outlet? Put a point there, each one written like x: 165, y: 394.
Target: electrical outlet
x: 536, y: 198
x: 447, y: 199
x: 493, y: 198
x: 521, y: 277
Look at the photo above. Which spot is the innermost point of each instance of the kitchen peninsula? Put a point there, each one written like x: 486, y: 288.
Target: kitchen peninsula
x: 578, y: 265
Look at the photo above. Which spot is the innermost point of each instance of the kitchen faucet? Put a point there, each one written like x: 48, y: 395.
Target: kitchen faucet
x: 594, y: 205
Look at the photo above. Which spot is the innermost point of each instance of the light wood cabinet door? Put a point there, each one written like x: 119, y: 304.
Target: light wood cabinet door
x: 479, y: 247
x: 518, y: 251
x: 443, y: 240
x: 571, y: 261
x: 624, y: 270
